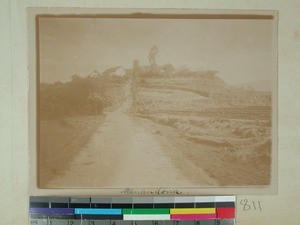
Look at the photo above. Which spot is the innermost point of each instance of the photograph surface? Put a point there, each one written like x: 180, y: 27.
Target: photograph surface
x: 155, y: 100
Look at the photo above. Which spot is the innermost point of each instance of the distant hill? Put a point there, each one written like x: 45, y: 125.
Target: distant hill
x: 260, y: 85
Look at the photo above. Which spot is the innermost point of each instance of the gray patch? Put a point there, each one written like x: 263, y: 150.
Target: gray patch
x: 79, y: 200
x: 101, y: 200
x: 184, y: 199
x: 38, y: 222
x: 142, y: 200
x: 79, y: 222
x: 207, y: 222
x: 59, y: 200
x: 164, y: 199
x: 227, y: 222
x: 59, y: 222
x: 38, y: 199
x: 121, y: 200
x: 183, y: 222
x: 100, y: 222
x: 142, y: 222
x: 122, y: 222
x: 169, y: 222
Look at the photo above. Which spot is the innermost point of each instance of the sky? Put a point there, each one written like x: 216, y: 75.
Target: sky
x: 241, y: 50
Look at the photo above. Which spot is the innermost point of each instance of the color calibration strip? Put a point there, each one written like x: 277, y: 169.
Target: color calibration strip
x: 204, y: 210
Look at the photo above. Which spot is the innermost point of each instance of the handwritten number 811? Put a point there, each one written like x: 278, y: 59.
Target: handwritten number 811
x: 251, y: 205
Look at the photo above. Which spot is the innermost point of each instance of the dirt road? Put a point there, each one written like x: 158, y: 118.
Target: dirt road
x: 130, y: 152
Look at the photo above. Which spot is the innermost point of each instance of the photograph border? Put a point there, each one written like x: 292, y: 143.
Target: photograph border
x: 34, y: 55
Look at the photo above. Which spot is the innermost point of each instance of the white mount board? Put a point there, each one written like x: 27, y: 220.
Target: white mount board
x: 14, y: 162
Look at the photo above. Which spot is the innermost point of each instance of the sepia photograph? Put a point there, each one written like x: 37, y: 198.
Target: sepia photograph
x: 156, y: 100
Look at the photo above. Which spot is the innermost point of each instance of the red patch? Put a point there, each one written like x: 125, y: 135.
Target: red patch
x: 226, y: 213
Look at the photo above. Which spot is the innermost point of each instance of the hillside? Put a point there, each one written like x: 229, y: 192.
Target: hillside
x: 192, y: 93
x: 208, y: 112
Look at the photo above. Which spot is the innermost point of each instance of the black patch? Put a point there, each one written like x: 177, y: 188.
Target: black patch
x: 79, y: 205
x: 185, y: 205
x: 122, y: 206
x: 143, y: 206
x: 59, y: 205
x: 101, y: 205
x: 39, y: 205
x: 51, y: 216
x: 163, y: 205
x: 205, y: 205
x: 100, y: 217
x: 225, y: 204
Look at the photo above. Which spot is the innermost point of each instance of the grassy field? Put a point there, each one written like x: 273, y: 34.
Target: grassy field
x: 60, y: 141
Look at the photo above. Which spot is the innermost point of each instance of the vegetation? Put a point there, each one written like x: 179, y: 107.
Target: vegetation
x: 80, y: 97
